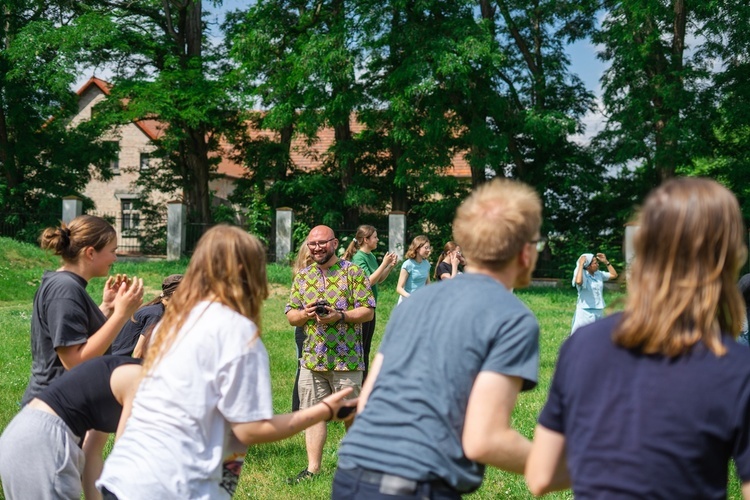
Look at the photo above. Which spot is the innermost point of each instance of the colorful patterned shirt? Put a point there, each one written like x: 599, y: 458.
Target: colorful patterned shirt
x: 334, y: 346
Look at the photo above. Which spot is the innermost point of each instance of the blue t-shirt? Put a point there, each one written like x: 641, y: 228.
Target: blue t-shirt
x: 649, y: 426
x: 590, y: 290
x: 418, y: 274
x: 434, y: 346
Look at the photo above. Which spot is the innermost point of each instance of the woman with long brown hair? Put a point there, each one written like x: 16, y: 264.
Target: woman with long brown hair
x: 449, y: 263
x: 655, y: 401
x: 206, y: 392
x: 360, y: 253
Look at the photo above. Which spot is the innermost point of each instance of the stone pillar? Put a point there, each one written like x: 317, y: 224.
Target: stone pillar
x: 72, y: 208
x: 284, y: 241
x: 176, y: 228
x: 397, y: 233
x: 630, y: 229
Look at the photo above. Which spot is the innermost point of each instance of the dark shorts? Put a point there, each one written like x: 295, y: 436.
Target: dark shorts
x: 361, y: 484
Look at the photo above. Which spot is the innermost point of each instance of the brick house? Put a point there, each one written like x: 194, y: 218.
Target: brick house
x: 117, y: 197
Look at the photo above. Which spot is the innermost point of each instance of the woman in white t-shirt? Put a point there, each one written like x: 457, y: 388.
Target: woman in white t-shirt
x: 206, y: 392
x: 415, y: 271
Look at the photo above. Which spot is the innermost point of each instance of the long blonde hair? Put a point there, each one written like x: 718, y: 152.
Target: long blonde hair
x: 303, y: 259
x: 229, y: 267
x: 682, y: 287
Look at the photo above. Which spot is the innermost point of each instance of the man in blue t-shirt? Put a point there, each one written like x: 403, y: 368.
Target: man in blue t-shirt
x: 438, y: 401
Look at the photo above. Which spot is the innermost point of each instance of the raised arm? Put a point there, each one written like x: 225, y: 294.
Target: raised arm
x: 127, y: 301
x: 611, y: 270
x: 488, y: 437
x: 579, y: 270
x: 382, y: 272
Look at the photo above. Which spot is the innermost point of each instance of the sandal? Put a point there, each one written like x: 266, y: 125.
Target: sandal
x: 302, y: 476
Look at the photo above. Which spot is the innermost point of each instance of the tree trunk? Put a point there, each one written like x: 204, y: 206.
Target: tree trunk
x: 346, y: 165
x: 196, y: 160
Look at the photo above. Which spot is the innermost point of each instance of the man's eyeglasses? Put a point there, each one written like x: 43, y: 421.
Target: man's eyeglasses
x: 314, y: 244
x: 540, y: 243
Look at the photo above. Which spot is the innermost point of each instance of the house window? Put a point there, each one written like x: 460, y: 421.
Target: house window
x: 114, y: 164
x: 131, y: 217
x: 145, y: 161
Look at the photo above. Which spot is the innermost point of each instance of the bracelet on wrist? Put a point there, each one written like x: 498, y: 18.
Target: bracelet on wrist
x: 330, y: 411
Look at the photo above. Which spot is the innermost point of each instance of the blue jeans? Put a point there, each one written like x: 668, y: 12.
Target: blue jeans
x: 743, y: 338
x: 359, y: 484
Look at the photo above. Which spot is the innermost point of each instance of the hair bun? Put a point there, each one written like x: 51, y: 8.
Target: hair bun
x: 64, y: 233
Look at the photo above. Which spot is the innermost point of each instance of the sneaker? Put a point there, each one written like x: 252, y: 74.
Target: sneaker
x: 302, y: 476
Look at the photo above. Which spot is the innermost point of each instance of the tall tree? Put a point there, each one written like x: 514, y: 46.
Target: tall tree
x: 654, y: 88
x: 299, y: 59
x: 43, y: 158
x: 726, y: 43
x: 543, y: 103
x: 166, y: 69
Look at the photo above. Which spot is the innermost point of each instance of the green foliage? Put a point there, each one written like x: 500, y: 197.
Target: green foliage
x: 254, y: 213
x: 436, y: 83
x: 42, y: 158
x: 153, y: 230
x: 655, y: 90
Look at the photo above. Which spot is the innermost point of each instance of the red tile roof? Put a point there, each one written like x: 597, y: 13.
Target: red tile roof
x: 305, y: 157
x: 152, y: 128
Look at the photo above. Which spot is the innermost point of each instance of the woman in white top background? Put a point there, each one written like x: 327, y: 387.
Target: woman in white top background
x: 589, y: 281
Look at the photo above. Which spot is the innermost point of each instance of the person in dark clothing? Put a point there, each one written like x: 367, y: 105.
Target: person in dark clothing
x: 450, y: 263
x: 654, y: 402
x: 744, y: 286
x: 67, y: 327
x: 140, y: 326
x: 40, y: 454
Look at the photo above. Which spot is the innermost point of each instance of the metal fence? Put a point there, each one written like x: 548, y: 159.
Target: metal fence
x: 11, y: 225
x: 23, y: 227
x: 136, y: 235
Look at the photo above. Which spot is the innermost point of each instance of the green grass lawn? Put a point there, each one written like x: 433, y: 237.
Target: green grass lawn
x: 268, y: 466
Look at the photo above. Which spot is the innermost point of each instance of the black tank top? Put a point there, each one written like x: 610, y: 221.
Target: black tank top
x: 83, y: 398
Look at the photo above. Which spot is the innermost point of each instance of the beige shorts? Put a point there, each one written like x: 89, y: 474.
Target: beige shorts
x: 314, y: 386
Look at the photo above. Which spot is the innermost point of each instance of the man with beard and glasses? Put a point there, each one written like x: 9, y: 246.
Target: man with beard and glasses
x: 437, y: 404
x: 330, y: 299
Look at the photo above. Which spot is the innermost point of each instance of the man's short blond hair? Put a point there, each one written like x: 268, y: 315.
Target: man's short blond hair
x: 494, y: 223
